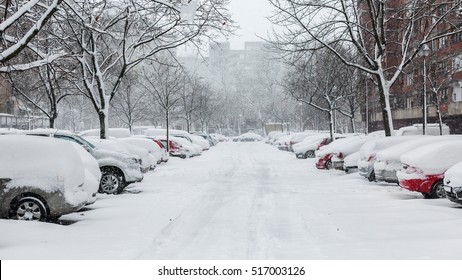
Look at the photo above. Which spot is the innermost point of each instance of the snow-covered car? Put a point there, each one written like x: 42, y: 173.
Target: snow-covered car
x: 453, y: 183
x: 219, y: 137
x: 308, y: 147
x: 388, y: 160
x: 282, y: 143
x: 199, y: 140
x: 118, y: 170
x: 155, y: 152
x: 212, y: 141
x: 162, y: 153
x: 111, y: 132
x: 369, y: 150
x: 350, y: 163
x: 178, y: 147
x: 273, y: 135
x: 424, y: 167
x: 40, y: 178
x: 333, y: 154
x: 249, y: 137
x: 298, y: 137
x: 125, y: 148
x: 417, y: 129
x: 337, y: 150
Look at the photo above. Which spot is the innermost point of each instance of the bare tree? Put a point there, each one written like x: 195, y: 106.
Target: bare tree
x: 131, y: 104
x: 111, y: 38
x: 19, y: 25
x: 384, y: 35
x: 165, y: 83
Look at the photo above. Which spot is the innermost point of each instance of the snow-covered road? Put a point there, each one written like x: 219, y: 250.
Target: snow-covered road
x: 247, y: 201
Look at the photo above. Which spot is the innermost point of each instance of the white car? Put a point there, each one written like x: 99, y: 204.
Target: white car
x: 307, y: 148
x: 453, y: 183
x: 124, y: 148
x: 154, y: 150
x: 332, y: 155
x: 369, y: 150
x: 40, y: 178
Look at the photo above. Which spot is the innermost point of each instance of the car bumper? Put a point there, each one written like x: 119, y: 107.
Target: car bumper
x: 422, y: 185
x: 453, y: 194
x: 386, y: 176
x: 337, y: 165
x: 365, y: 168
x: 133, y: 175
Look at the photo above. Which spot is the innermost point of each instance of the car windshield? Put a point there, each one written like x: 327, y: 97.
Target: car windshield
x: 83, y: 141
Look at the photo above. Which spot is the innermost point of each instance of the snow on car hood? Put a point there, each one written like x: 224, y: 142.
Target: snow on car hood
x: 453, y: 176
x: 45, y: 163
x: 346, y: 146
x: 434, y: 158
x: 371, y: 147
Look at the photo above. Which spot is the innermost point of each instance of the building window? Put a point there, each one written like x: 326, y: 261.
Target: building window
x: 408, y: 80
x: 408, y: 103
x: 457, y: 37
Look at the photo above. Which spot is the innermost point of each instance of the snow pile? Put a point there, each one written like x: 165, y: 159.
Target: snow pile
x: 46, y: 163
x: 111, y: 132
x: 434, y: 158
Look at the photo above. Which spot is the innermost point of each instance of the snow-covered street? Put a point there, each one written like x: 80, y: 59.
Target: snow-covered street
x: 246, y: 201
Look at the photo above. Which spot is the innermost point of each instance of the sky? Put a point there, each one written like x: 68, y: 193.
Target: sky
x: 250, y: 15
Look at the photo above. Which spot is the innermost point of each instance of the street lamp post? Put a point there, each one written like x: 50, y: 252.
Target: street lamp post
x: 425, y: 52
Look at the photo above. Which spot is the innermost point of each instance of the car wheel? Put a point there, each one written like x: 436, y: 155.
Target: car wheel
x: 309, y: 154
x: 112, y: 181
x: 328, y: 164
x: 437, y: 190
x: 371, y: 177
x: 29, y: 208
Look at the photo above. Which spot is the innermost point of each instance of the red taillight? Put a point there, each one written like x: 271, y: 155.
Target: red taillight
x: 318, y: 146
x: 340, y: 155
x: 291, y: 142
x: 371, y: 157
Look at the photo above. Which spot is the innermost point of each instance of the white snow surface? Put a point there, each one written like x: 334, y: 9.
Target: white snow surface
x: 247, y: 201
x: 434, y: 158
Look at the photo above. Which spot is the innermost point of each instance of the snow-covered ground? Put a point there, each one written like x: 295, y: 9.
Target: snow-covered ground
x: 246, y: 201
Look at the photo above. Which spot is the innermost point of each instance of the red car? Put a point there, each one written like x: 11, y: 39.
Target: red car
x: 423, y: 168
x: 325, y: 162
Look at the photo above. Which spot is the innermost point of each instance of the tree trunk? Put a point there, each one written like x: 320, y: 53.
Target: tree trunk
x: 386, y: 111
x: 166, y: 122
x: 440, y: 118
x: 102, y: 124
x: 331, y: 125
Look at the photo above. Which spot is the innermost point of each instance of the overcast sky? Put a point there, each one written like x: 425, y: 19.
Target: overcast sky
x: 250, y: 15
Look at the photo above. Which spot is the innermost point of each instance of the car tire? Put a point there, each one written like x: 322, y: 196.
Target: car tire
x: 29, y: 208
x: 437, y: 190
x: 328, y: 165
x: 371, y: 177
x: 112, y: 181
x: 309, y: 154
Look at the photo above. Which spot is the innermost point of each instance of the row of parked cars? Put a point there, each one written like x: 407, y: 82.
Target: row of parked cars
x: 430, y: 164
x: 46, y: 173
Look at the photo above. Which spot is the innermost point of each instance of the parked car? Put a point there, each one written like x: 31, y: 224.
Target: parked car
x: 155, y: 152
x: 369, y: 150
x: 453, y: 183
x: 283, y: 143
x: 298, y: 137
x: 388, y: 160
x: 219, y: 137
x: 417, y: 129
x: 40, y: 178
x: 350, y: 163
x: 118, y: 169
x: 178, y: 147
x: 142, y: 155
x: 337, y: 150
x: 308, y: 147
x: 164, y: 155
x: 249, y: 137
x: 423, y: 168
